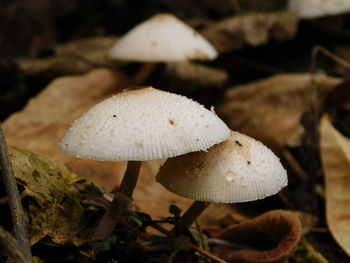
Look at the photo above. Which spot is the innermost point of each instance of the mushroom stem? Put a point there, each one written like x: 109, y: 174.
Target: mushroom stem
x: 143, y: 73
x: 193, y: 212
x: 120, y: 203
x: 130, y: 178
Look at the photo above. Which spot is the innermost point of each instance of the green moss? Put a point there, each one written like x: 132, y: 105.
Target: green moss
x: 303, y: 254
x: 36, y: 175
x: 58, y: 193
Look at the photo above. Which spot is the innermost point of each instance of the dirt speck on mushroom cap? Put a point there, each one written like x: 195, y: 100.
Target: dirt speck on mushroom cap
x: 143, y: 124
x: 239, y: 169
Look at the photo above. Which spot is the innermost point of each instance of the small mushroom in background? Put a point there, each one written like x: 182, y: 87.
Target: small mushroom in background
x: 268, y: 238
x: 161, y: 38
x: 309, y: 9
x: 137, y: 125
x: 239, y: 169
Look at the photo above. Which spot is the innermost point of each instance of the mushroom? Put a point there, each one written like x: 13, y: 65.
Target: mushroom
x: 239, y: 169
x: 161, y: 38
x: 309, y: 9
x: 137, y: 125
x: 268, y: 238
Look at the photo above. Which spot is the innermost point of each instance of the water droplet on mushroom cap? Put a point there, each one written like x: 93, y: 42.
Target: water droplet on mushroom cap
x: 149, y: 125
x: 229, y: 176
x: 222, y: 175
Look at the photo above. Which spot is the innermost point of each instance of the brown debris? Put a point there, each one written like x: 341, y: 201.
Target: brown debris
x: 270, y: 237
x: 201, y: 74
x: 253, y: 29
x: 76, y: 57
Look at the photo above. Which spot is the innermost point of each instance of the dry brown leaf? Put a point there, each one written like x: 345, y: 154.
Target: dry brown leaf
x: 215, y: 214
x: 270, y: 109
x: 201, y: 74
x: 75, y: 57
x: 335, y: 153
x: 252, y: 29
x: 43, y: 122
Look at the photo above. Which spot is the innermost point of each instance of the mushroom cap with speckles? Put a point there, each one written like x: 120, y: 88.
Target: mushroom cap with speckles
x: 163, y: 38
x: 239, y: 169
x: 143, y: 124
x: 309, y: 9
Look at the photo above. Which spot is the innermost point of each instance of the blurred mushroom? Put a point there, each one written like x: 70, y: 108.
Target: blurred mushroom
x: 309, y: 9
x: 137, y: 125
x: 271, y: 238
x: 239, y: 169
x: 162, y: 38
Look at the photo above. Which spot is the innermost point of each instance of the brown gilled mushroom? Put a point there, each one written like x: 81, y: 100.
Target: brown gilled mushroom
x: 271, y: 238
x: 239, y: 169
x: 137, y: 125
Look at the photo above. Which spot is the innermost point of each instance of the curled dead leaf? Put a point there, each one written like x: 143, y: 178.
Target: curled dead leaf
x: 335, y: 154
x: 270, y: 237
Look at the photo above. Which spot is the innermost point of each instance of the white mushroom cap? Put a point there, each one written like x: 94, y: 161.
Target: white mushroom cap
x: 163, y: 38
x: 143, y: 124
x: 317, y: 8
x: 239, y: 169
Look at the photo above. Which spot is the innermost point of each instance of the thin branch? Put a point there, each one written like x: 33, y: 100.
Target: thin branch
x: 190, y: 245
x: 17, y: 213
x: 319, y: 49
x: 314, y: 92
x: 161, y: 229
x: 205, y: 253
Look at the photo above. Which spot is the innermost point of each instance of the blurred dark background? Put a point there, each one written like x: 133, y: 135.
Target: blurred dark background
x: 33, y: 28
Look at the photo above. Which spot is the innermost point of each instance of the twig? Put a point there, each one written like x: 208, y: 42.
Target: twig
x: 316, y: 256
x: 161, y: 229
x: 319, y: 49
x: 314, y: 93
x: 294, y: 165
x: 224, y: 243
x: 205, y: 253
x: 202, y: 241
x: 17, y: 213
x: 200, y: 234
x: 190, y: 245
x: 10, y: 244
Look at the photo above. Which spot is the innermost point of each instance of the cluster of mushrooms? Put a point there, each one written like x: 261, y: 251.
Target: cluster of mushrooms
x: 207, y: 161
